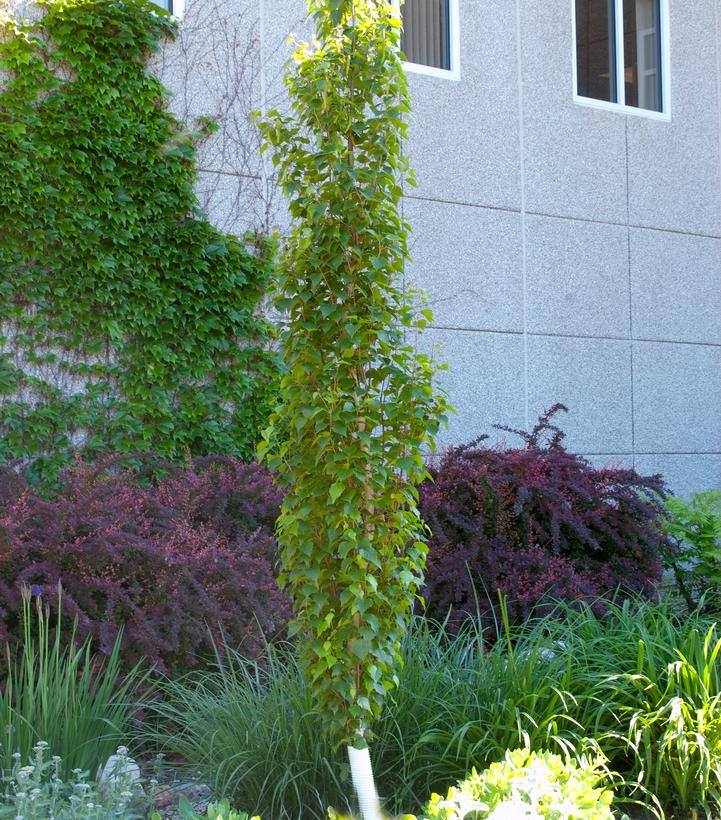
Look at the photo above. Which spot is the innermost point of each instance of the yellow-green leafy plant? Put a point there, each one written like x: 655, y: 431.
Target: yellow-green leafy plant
x: 528, y: 784
x: 358, y: 405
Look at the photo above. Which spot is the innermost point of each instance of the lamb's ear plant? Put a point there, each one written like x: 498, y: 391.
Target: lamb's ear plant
x: 357, y: 406
x: 35, y: 788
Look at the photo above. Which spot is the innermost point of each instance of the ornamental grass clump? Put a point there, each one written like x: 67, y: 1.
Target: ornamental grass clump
x: 250, y: 730
x: 640, y: 679
x: 669, y: 716
x: 357, y: 405
x: 58, y: 693
x: 646, y: 682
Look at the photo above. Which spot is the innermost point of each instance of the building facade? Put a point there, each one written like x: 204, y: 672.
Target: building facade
x: 567, y: 217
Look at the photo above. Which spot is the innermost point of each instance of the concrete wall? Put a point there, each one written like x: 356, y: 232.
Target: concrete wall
x: 571, y: 254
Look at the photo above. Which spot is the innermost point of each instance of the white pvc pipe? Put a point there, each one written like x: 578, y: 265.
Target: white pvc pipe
x: 365, y: 787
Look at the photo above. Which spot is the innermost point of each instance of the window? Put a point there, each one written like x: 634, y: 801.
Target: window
x: 174, y: 7
x: 429, y: 38
x: 620, y: 53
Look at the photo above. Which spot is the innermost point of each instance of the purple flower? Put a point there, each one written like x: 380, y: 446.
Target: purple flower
x: 37, y: 591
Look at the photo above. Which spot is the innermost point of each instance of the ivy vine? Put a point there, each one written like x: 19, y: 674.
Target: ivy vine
x: 127, y: 322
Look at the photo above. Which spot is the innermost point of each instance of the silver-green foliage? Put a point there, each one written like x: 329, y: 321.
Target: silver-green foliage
x: 35, y: 789
x: 358, y: 405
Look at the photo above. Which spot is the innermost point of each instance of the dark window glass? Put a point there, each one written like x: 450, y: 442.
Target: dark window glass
x: 595, y: 49
x: 426, y: 36
x: 165, y: 4
x: 642, y: 54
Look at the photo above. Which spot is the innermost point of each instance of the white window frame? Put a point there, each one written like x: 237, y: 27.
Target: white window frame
x: 178, y: 8
x: 621, y: 106
x: 454, y: 35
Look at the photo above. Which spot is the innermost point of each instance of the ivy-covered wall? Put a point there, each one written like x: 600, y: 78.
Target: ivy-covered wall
x: 127, y: 322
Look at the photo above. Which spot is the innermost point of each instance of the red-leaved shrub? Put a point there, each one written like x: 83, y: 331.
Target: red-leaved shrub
x: 170, y: 559
x: 536, y: 523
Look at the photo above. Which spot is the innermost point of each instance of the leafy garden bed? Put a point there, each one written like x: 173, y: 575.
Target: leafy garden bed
x: 622, y: 680
x: 621, y: 710
x: 177, y: 647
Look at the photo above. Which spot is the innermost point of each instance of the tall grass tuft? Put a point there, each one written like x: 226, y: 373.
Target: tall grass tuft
x: 59, y: 694
x: 669, y: 714
x: 250, y: 730
x: 647, y: 686
x: 638, y: 684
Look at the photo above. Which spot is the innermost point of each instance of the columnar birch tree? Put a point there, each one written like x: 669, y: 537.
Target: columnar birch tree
x: 358, y: 405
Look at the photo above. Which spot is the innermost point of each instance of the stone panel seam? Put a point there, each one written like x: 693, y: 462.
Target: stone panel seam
x: 657, y: 453
x: 463, y: 203
x: 630, y: 299
x: 711, y: 236
x: 258, y: 177
x: 524, y: 248
x: 559, y: 335
x: 635, y: 226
